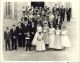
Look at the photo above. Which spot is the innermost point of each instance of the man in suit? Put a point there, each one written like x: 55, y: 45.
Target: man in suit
x: 20, y: 35
x: 13, y: 34
x: 22, y: 25
x: 31, y: 29
x: 62, y: 13
x: 68, y: 13
x: 54, y: 9
x: 7, y: 38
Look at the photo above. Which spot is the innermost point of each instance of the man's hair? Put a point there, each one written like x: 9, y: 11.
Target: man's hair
x: 7, y: 27
x: 13, y: 25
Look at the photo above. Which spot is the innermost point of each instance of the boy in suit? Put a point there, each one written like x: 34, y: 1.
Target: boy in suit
x: 28, y: 44
x: 13, y: 33
x: 7, y: 38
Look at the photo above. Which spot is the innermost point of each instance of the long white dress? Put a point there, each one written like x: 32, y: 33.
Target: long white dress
x: 46, y: 34
x: 40, y: 46
x: 39, y: 29
x: 65, y: 42
x: 51, y: 37
x: 57, y: 44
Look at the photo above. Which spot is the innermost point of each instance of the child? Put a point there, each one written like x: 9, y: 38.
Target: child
x: 40, y: 46
x: 57, y: 43
x: 65, y: 42
x: 7, y: 38
x: 28, y: 45
x: 51, y: 37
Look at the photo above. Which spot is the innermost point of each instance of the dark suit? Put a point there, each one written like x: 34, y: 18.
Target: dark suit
x: 59, y: 10
x: 54, y: 22
x: 33, y: 31
x: 68, y: 13
x: 49, y: 24
x: 20, y: 37
x: 62, y: 14
x: 13, y: 39
x: 23, y: 33
x: 54, y: 10
x: 28, y: 44
x: 7, y: 39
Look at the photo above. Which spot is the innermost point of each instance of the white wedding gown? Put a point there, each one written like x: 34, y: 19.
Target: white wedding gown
x: 39, y: 29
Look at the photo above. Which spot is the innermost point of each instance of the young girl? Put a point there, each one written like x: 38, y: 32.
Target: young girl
x: 40, y: 46
x: 51, y: 37
x: 65, y: 42
x: 46, y: 33
x: 57, y: 44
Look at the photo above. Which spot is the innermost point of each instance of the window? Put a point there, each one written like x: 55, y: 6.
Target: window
x: 7, y: 9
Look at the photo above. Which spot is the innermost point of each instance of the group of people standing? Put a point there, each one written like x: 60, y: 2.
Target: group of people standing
x: 39, y: 28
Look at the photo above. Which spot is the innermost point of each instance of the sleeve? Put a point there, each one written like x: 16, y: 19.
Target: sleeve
x: 4, y: 35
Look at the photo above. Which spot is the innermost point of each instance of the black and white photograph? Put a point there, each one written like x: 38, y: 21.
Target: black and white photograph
x: 40, y: 31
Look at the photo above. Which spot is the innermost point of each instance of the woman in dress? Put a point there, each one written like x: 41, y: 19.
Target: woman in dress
x: 40, y: 46
x: 46, y: 33
x: 39, y: 29
x: 51, y: 36
x: 57, y: 44
x: 65, y: 42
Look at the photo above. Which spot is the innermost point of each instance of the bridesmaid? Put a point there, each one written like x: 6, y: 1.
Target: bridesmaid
x: 46, y: 33
x: 40, y: 46
x: 51, y: 36
x: 57, y: 44
x: 65, y: 42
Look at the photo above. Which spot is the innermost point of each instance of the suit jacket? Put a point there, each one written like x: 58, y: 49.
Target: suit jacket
x: 62, y: 13
x: 33, y: 27
x: 20, y: 33
x: 7, y: 35
x: 68, y: 11
x: 13, y: 34
x: 54, y: 10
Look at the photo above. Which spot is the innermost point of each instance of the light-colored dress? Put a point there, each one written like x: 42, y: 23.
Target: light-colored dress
x: 39, y: 29
x: 40, y: 46
x: 65, y: 42
x: 57, y: 44
x: 46, y: 34
x: 51, y: 37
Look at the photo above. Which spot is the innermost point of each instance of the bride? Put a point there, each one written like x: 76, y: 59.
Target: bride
x: 39, y: 29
